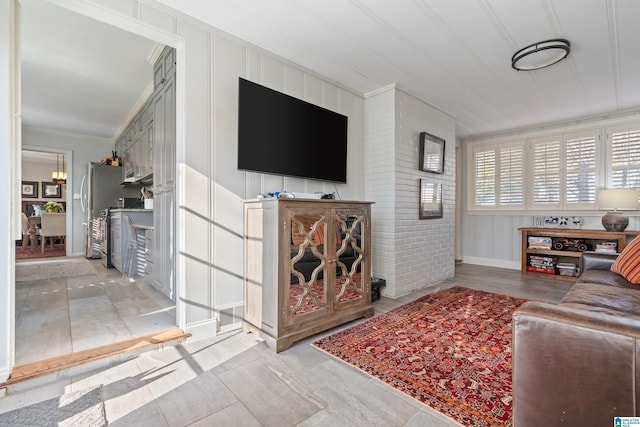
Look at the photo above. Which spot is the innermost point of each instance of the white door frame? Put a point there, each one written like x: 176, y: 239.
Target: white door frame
x: 10, y: 121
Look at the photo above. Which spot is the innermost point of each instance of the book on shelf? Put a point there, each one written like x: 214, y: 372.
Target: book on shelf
x: 542, y: 260
x: 536, y: 242
x: 541, y: 270
x: 607, y: 247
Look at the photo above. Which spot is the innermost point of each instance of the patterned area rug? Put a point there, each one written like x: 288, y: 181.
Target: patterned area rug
x: 57, y: 251
x: 450, y: 350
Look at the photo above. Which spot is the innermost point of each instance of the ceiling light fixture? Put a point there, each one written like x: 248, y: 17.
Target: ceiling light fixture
x: 59, y: 176
x: 540, y: 55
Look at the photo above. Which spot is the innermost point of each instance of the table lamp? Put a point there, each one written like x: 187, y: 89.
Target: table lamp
x: 614, y: 201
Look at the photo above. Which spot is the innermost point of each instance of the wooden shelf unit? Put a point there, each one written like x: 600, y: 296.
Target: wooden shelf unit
x: 571, y: 256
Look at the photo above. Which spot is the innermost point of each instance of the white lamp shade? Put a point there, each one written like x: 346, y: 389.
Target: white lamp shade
x: 618, y: 199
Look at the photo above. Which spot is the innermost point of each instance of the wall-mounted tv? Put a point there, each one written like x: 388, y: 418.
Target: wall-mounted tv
x: 282, y: 135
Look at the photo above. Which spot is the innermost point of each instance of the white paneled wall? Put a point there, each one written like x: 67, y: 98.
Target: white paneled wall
x: 408, y: 252
x: 210, y: 187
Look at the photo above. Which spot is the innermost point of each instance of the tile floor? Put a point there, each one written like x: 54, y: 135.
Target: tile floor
x: 60, y: 315
x: 235, y: 380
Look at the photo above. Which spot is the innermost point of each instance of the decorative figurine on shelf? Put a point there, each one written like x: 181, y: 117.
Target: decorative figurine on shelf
x: 571, y: 244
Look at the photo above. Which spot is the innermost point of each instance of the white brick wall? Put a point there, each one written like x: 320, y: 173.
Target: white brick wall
x: 408, y: 252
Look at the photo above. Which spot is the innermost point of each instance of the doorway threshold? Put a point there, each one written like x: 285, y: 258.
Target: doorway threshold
x: 93, y: 358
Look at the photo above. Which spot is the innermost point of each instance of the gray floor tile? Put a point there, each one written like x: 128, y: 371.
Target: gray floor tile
x: 148, y: 415
x: 271, y: 398
x: 198, y: 398
x: 235, y: 415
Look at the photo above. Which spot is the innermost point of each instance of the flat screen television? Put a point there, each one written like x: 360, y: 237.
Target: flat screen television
x: 282, y: 135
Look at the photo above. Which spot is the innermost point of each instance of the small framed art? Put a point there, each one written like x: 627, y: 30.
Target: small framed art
x: 51, y: 190
x: 431, y: 153
x: 29, y: 189
x: 430, y: 199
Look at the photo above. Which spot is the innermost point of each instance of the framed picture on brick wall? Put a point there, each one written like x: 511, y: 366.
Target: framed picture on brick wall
x: 431, y: 153
x: 430, y: 199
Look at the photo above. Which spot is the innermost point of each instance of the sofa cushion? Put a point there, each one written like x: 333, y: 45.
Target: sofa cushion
x: 606, y: 299
x: 605, y: 277
x: 628, y: 262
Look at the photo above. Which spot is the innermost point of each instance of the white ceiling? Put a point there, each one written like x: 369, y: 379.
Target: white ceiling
x: 79, y: 75
x: 456, y: 55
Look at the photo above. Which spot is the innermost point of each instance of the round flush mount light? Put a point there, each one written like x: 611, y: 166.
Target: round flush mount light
x: 540, y: 55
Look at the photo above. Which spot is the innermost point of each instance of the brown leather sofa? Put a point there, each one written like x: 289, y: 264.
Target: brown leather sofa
x: 576, y: 363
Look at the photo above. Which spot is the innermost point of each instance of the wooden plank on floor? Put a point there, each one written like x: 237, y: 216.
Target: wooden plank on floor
x: 32, y: 370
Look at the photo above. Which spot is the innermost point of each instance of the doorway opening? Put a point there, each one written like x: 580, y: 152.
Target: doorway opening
x: 41, y: 194
x: 75, y: 304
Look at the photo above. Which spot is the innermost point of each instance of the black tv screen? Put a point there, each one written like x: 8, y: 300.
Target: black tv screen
x: 282, y: 135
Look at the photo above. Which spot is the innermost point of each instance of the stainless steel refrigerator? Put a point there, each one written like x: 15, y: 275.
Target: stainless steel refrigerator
x: 100, y: 189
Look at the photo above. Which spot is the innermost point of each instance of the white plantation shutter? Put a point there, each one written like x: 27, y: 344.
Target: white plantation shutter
x: 511, y: 173
x: 546, y: 172
x: 498, y: 176
x: 625, y: 158
x: 580, y: 169
x: 484, y: 162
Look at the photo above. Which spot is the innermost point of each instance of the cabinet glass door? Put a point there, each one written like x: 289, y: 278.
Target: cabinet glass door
x: 350, y: 255
x: 306, y: 292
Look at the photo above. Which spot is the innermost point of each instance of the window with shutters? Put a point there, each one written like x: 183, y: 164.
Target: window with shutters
x: 580, y: 170
x: 498, y: 176
x: 485, y: 177
x: 546, y: 172
x: 556, y: 172
x: 624, y: 146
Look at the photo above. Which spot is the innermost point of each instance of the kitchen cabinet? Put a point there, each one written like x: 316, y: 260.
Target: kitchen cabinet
x: 135, y: 146
x: 148, y: 148
x: 164, y: 173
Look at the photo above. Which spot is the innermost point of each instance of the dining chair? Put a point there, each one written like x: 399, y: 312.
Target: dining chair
x: 25, y: 231
x: 52, y: 226
x: 132, y: 247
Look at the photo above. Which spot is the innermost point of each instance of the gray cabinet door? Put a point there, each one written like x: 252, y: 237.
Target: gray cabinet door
x: 164, y: 161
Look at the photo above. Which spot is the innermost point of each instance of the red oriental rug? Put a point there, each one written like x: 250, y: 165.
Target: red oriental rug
x: 57, y: 251
x: 450, y: 350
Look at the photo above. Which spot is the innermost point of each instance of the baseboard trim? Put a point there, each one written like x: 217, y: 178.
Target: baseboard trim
x: 492, y: 262
x: 203, y: 330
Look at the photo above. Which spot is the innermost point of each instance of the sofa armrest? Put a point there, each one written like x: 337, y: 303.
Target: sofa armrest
x: 597, y: 260
x: 572, y: 366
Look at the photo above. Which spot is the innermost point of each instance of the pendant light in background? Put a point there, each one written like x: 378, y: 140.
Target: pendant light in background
x: 59, y: 176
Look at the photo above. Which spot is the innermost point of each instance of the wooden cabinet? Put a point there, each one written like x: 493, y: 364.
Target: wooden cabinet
x: 307, y: 267
x: 565, y: 246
